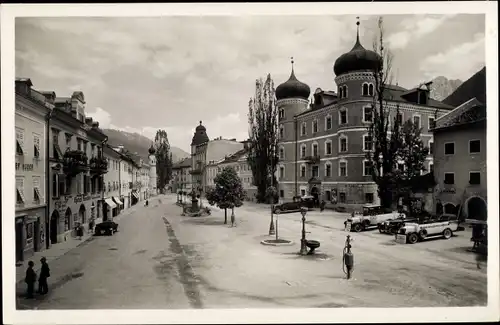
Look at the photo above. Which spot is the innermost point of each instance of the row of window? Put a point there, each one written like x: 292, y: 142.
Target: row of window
x: 20, y: 191
x: 474, y: 178
x: 342, y: 169
x: 61, y: 184
x: 342, y: 196
x: 328, y: 150
x: 474, y: 147
x: 245, y: 180
x: 343, y: 119
x: 21, y: 144
x: 81, y: 145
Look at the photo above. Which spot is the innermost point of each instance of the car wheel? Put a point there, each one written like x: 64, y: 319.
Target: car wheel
x: 447, y: 233
x: 412, y: 238
x: 422, y: 233
x: 357, y: 227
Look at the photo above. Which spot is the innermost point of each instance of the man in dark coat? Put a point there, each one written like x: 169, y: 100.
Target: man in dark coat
x: 43, y: 287
x: 30, y: 279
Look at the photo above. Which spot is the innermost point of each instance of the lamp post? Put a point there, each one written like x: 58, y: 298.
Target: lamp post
x: 271, y: 194
x: 303, y: 247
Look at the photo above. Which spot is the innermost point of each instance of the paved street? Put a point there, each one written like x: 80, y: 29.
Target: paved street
x: 182, y: 262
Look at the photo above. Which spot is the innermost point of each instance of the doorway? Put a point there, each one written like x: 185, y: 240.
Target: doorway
x: 54, y: 226
x: 82, y: 214
x: 477, y: 209
x: 19, y: 240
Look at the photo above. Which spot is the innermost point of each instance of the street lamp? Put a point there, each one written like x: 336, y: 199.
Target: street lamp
x: 303, y: 247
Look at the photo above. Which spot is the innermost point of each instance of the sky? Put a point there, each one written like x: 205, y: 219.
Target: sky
x: 145, y: 74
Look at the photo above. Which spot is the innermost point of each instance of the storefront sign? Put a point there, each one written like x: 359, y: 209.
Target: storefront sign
x: 448, y: 190
x: 25, y: 167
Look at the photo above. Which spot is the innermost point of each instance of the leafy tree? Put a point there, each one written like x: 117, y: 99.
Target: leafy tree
x: 163, y: 159
x: 385, y: 136
x: 263, y: 130
x: 228, y: 192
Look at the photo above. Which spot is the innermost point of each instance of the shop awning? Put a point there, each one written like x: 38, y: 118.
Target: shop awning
x: 117, y: 201
x: 136, y: 195
x: 110, y: 202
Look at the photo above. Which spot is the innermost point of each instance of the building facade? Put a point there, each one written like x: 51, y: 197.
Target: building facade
x: 31, y: 115
x: 204, y: 151
x: 181, y: 176
x: 77, y: 167
x: 323, y: 144
x: 113, y: 199
x: 237, y: 161
x: 460, y: 161
x: 144, y: 181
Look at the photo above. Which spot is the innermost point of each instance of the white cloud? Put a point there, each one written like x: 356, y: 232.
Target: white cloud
x: 459, y: 62
x: 101, y: 116
x: 413, y: 28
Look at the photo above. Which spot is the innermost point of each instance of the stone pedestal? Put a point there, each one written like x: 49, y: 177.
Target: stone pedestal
x: 194, y: 205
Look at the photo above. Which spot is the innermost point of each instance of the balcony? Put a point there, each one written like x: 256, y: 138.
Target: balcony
x: 197, y: 171
x: 312, y: 159
x: 74, y: 162
x: 98, y: 165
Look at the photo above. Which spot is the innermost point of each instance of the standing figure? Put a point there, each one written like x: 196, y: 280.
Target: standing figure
x: 91, y: 226
x: 30, y: 279
x: 43, y: 287
x: 322, y: 206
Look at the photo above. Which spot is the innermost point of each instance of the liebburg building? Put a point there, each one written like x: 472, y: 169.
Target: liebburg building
x: 323, y: 142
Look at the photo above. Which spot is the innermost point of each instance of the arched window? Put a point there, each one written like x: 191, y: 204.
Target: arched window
x: 343, y: 116
x: 303, y: 170
x: 328, y: 147
x: 342, y: 167
x: 314, y: 149
x: 303, y: 128
x: 367, y: 142
x: 328, y: 122
x: 371, y: 90
x: 345, y: 91
x: 328, y: 169
x: 282, y: 153
x: 303, y: 148
x: 343, y: 145
x: 282, y: 132
x: 315, y: 126
x: 341, y: 92
x: 364, y: 91
x: 282, y: 172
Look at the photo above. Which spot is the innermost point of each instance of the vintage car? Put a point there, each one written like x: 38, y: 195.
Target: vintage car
x: 289, y: 207
x: 371, y: 217
x: 443, y: 225
x: 392, y: 226
x: 106, y: 228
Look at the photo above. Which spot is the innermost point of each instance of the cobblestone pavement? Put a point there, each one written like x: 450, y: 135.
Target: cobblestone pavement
x: 161, y: 259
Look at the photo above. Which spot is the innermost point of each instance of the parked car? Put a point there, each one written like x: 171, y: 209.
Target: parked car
x: 443, y: 225
x: 288, y: 207
x: 371, y: 217
x: 106, y: 228
x: 392, y: 226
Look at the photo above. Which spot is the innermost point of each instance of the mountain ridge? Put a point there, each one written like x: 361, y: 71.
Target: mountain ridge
x: 135, y: 142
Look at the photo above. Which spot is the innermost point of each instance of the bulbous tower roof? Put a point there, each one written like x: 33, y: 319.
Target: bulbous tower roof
x: 293, y: 88
x: 200, y: 135
x: 358, y: 58
x: 152, y: 150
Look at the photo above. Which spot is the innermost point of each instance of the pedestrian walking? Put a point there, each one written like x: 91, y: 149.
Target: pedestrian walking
x: 30, y: 279
x: 91, y: 226
x: 43, y: 287
x: 79, y: 231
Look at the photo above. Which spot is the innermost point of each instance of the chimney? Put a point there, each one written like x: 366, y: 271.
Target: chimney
x: 23, y: 86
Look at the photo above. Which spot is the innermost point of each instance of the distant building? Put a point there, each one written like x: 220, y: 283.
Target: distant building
x: 460, y: 161
x: 152, y: 171
x: 32, y: 110
x: 204, y: 150
x: 181, y: 176
x: 238, y: 161
x: 113, y: 199
x: 323, y: 144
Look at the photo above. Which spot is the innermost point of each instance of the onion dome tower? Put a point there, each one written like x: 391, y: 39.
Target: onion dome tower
x: 357, y: 59
x: 152, y: 170
x: 200, y: 135
x: 292, y: 88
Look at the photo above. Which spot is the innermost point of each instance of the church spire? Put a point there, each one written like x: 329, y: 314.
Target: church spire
x: 357, y: 31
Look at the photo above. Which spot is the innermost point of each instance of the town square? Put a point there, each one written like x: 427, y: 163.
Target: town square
x: 218, y: 162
